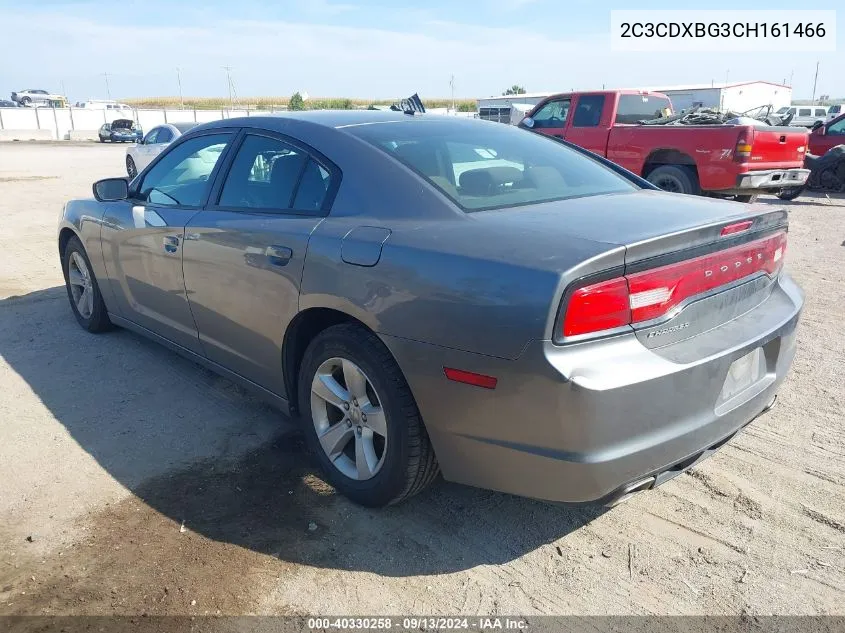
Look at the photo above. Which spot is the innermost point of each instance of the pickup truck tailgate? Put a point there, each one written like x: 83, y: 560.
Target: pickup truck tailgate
x: 778, y: 146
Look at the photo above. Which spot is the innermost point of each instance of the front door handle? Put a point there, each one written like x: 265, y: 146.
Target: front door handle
x: 171, y: 243
x: 278, y: 255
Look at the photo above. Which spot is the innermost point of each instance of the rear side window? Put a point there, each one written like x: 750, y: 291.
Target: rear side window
x: 164, y: 135
x: 588, y: 111
x: 805, y: 112
x: 821, y: 112
x: 482, y: 166
x: 268, y: 174
x: 633, y: 108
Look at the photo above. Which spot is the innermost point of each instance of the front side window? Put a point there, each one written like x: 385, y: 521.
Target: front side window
x: 150, y: 138
x: 588, y: 111
x: 552, y: 114
x: 837, y: 129
x: 480, y: 166
x: 181, y: 176
x: 821, y: 112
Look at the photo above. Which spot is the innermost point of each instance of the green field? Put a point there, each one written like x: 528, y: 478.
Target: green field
x: 270, y: 103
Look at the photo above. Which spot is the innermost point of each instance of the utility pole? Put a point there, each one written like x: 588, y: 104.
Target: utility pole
x: 228, y: 70
x: 452, y: 86
x: 791, y: 73
x: 815, y: 81
x: 108, y: 92
x: 179, y: 81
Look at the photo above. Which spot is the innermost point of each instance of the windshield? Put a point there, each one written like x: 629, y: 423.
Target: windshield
x: 485, y: 165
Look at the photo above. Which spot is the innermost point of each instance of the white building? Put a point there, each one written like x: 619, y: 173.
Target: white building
x: 499, y: 108
x: 737, y: 97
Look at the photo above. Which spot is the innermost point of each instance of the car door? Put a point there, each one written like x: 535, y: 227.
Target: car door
x: 551, y: 117
x: 142, y: 154
x: 834, y: 134
x: 585, y: 126
x: 142, y: 238
x: 244, y: 254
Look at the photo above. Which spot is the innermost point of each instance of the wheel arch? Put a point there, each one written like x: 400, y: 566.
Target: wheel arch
x: 667, y: 156
x: 65, y: 234
x: 303, y: 329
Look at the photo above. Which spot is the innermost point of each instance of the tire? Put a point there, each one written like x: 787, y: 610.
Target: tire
x: 102, y: 140
x: 25, y: 101
x: 94, y: 317
x: 749, y: 198
x: 406, y: 463
x: 675, y: 178
x: 790, y: 193
x: 131, y: 169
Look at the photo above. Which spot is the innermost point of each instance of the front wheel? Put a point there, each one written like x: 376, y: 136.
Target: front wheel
x: 360, y: 418
x: 86, y: 302
x: 131, y: 169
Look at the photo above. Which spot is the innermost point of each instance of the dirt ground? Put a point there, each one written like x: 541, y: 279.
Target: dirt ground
x: 134, y: 482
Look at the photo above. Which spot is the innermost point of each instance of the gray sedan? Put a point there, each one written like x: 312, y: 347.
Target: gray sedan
x: 446, y: 295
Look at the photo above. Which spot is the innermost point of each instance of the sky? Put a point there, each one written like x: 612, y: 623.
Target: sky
x: 366, y: 48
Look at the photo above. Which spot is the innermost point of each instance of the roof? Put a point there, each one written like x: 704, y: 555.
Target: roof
x: 326, y: 118
x: 712, y: 86
x: 524, y: 95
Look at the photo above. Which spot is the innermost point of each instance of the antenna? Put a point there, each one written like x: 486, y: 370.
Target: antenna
x: 452, y: 86
x: 179, y: 81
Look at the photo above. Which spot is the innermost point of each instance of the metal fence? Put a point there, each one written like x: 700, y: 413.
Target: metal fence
x: 86, y: 121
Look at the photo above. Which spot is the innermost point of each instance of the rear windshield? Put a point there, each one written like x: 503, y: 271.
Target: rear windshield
x: 485, y: 165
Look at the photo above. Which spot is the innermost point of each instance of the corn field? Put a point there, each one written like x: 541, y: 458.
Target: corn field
x: 280, y: 103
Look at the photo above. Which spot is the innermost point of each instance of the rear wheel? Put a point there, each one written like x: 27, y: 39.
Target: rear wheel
x: 86, y: 302
x: 361, y: 420
x: 674, y: 178
x: 131, y: 169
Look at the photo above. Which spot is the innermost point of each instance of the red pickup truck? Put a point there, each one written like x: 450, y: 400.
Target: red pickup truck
x: 740, y: 161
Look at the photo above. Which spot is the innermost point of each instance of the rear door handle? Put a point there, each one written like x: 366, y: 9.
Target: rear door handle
x: 171, y: 243
x: 278, y: 255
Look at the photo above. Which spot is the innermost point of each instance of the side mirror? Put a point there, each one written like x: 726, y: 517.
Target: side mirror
x: 817, y: 125
x: 111, y: 189
x: 528, y: 122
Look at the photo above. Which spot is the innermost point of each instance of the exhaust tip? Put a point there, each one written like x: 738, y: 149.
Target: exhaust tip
x: 630, y: 490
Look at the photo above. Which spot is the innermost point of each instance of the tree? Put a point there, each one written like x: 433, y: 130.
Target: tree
x: 514, y: 90
x: 296, y: 102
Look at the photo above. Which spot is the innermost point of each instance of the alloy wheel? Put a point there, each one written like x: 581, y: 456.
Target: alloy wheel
x: 81, y: 285
x: 349, y: 420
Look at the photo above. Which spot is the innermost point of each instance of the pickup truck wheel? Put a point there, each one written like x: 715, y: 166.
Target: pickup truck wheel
x: 674, y: 178
x: 790, y: 193
x: 360, y: 419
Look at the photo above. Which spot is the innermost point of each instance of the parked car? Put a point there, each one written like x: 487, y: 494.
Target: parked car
x: 7, y: 104
x: 37, y: 98
x: 827, y: 135
x: 724, y: 160
x: 121, y: 131
x: 834, y: 111
x: 140, y: 155
x: 804, y: 116
x: 445, y: 293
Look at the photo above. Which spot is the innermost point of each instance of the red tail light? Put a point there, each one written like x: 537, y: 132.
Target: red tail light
x: 742, y: 152
x: 651, y: 294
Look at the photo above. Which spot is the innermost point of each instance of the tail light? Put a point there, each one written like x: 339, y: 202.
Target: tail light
x: 744, y: 143
x: 655, y: 293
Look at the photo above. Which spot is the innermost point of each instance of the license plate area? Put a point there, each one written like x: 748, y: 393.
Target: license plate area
x: 745, y: 380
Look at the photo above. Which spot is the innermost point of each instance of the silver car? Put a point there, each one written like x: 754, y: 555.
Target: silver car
x: 156, y: 140
x: 438, y: 294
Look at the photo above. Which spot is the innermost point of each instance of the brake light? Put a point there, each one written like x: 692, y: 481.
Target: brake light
x: 651, y: 294
x: 743, y: 148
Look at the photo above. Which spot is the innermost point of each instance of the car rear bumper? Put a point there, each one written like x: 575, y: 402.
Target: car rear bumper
x: 589, y: 422
x: 771, y: 179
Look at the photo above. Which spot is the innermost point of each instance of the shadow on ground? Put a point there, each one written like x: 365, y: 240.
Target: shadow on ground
x: 196, y: 448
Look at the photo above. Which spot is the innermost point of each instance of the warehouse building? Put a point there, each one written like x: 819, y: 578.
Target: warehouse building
x: 502, y: 108
x: 737, y: 97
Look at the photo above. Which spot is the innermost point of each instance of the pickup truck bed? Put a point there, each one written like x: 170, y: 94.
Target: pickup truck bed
x: 725, y: 160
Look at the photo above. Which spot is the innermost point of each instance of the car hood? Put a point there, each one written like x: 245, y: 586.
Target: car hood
x: 122, y: 125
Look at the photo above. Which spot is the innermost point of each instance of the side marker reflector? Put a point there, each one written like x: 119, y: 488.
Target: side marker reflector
x: 470, y: 378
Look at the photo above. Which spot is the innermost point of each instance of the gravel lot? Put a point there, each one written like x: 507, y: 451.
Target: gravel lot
x: 136, y: 482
